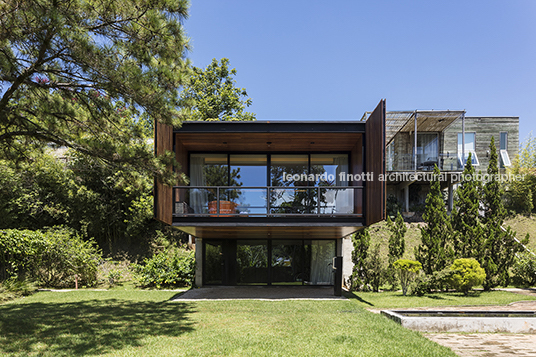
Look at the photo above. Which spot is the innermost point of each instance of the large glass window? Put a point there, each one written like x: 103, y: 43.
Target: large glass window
x: 240, y: 181
x: 249, y: 171
x: 470, y: 147
x: 332, y: 170
x: 291, y: 173
x: 252, y: 261
x: 208, y: 170
x: 291, y: 262
x: 427, y: 151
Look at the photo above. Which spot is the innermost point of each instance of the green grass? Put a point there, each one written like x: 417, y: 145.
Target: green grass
x: 391, y: 299
x: 145, y: 323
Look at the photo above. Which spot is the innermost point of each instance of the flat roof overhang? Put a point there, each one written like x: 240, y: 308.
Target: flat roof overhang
x: 403, y: 121
x: 265, y: 136
x: 218, y: 230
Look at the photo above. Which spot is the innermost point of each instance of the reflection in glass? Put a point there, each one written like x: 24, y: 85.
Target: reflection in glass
x: 253, y: 173
x: 290, y: 171
x: 207, y: 170
x: 291, y: 262
x: 322, y: 254
x: 252, y: 261
x: 213, y: 263
x: 427, y: 151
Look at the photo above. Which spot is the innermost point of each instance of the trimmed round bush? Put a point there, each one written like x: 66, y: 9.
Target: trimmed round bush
x: 466, y: 274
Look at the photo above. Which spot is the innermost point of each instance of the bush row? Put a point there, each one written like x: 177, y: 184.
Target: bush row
x: 52, y: 258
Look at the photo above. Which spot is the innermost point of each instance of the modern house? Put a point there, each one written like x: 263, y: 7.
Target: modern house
x: 274, y: 202
x: 418, y: 140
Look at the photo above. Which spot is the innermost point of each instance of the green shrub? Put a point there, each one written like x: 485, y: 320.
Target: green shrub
x: 13, y: 288
x: 426, y: 283
x: 52, y: 258
x: 376, y: 271
x: 524, y: 270
x: 406, y: 270
x: 172, y: 267
x: 466, y: 274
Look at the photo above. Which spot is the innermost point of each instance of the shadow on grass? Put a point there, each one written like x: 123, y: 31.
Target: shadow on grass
x: 354, y: 296
x: 87, y: 327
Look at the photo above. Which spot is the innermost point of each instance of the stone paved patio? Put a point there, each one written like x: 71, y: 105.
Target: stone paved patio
x: 489, y: 344
x: 258, y: 293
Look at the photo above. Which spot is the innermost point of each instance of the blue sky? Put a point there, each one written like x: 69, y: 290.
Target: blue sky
x: 335, y: 60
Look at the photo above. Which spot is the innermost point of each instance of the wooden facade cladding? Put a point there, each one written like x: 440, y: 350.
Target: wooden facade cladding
x: 278, y: 137
x: 375, y: 199
x: 163, y: 194
x: 356, y: 168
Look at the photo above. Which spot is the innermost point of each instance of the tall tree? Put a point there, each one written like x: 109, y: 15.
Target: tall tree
x: 361, y: 243
x: 397, y: 242
x: 397, y: 245
x: 469, y: 235
x: 212, y: 95
x: 499, y: 245
x: 435, y: 250
x: 71, y: 71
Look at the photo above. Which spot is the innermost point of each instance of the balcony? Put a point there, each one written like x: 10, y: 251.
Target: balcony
x: 266, y: 201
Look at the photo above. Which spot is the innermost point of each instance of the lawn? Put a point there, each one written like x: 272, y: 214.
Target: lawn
x: 390, y: 299
x: 145, y: 323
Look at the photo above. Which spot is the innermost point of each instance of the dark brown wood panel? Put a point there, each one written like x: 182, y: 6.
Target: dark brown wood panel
x: 181, y: 155
x: 163, y: 196
x: 269, y: 232
x: 269, y: 142
x: 375, y: 165
x: 356, y: 157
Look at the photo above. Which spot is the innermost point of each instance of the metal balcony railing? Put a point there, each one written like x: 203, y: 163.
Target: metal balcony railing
x: 266, y: 201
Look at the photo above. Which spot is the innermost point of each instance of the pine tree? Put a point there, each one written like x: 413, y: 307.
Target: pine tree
x: 435, y: 251
x: 361, y: 242
x: 499, y: 245
x: 469, y: 235
x: 397, y: 245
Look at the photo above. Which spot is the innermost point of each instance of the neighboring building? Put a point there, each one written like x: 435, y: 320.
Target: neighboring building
x: 274, y: 202
x: 418, y: 140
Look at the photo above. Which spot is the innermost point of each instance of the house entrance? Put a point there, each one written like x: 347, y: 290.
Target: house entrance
x: 268, y: 262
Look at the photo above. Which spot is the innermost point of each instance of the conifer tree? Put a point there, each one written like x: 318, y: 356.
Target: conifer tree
x: 397, y: 244
x: 469, y: 235
x: 361, y: 242
x: 435, y: 250
x: 499, y: 245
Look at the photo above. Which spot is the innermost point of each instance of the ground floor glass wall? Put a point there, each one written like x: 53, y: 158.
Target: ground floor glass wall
x: 268, y: 262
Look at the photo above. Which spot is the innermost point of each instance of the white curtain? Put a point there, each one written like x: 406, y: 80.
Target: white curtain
x: 344, y: 199
x: 198, y: 197
x: 322, y: 253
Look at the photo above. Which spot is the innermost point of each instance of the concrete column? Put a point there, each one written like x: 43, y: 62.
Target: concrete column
x: 198, y: 262
x: 406, y: 198
x: 451, y: 198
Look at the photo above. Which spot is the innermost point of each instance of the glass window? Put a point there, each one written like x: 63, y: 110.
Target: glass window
x: 330, y: 169
x: 470, y: 146
x: 249, y: 171
x: 289, y: 170
x: 207, y: 170
x: 291, y: 262
x: 427, y: 150
x: 504, y: 141
x: 252, y: 261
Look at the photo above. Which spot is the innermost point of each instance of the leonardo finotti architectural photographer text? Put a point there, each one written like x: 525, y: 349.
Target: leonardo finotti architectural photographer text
x: 402, y: 176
